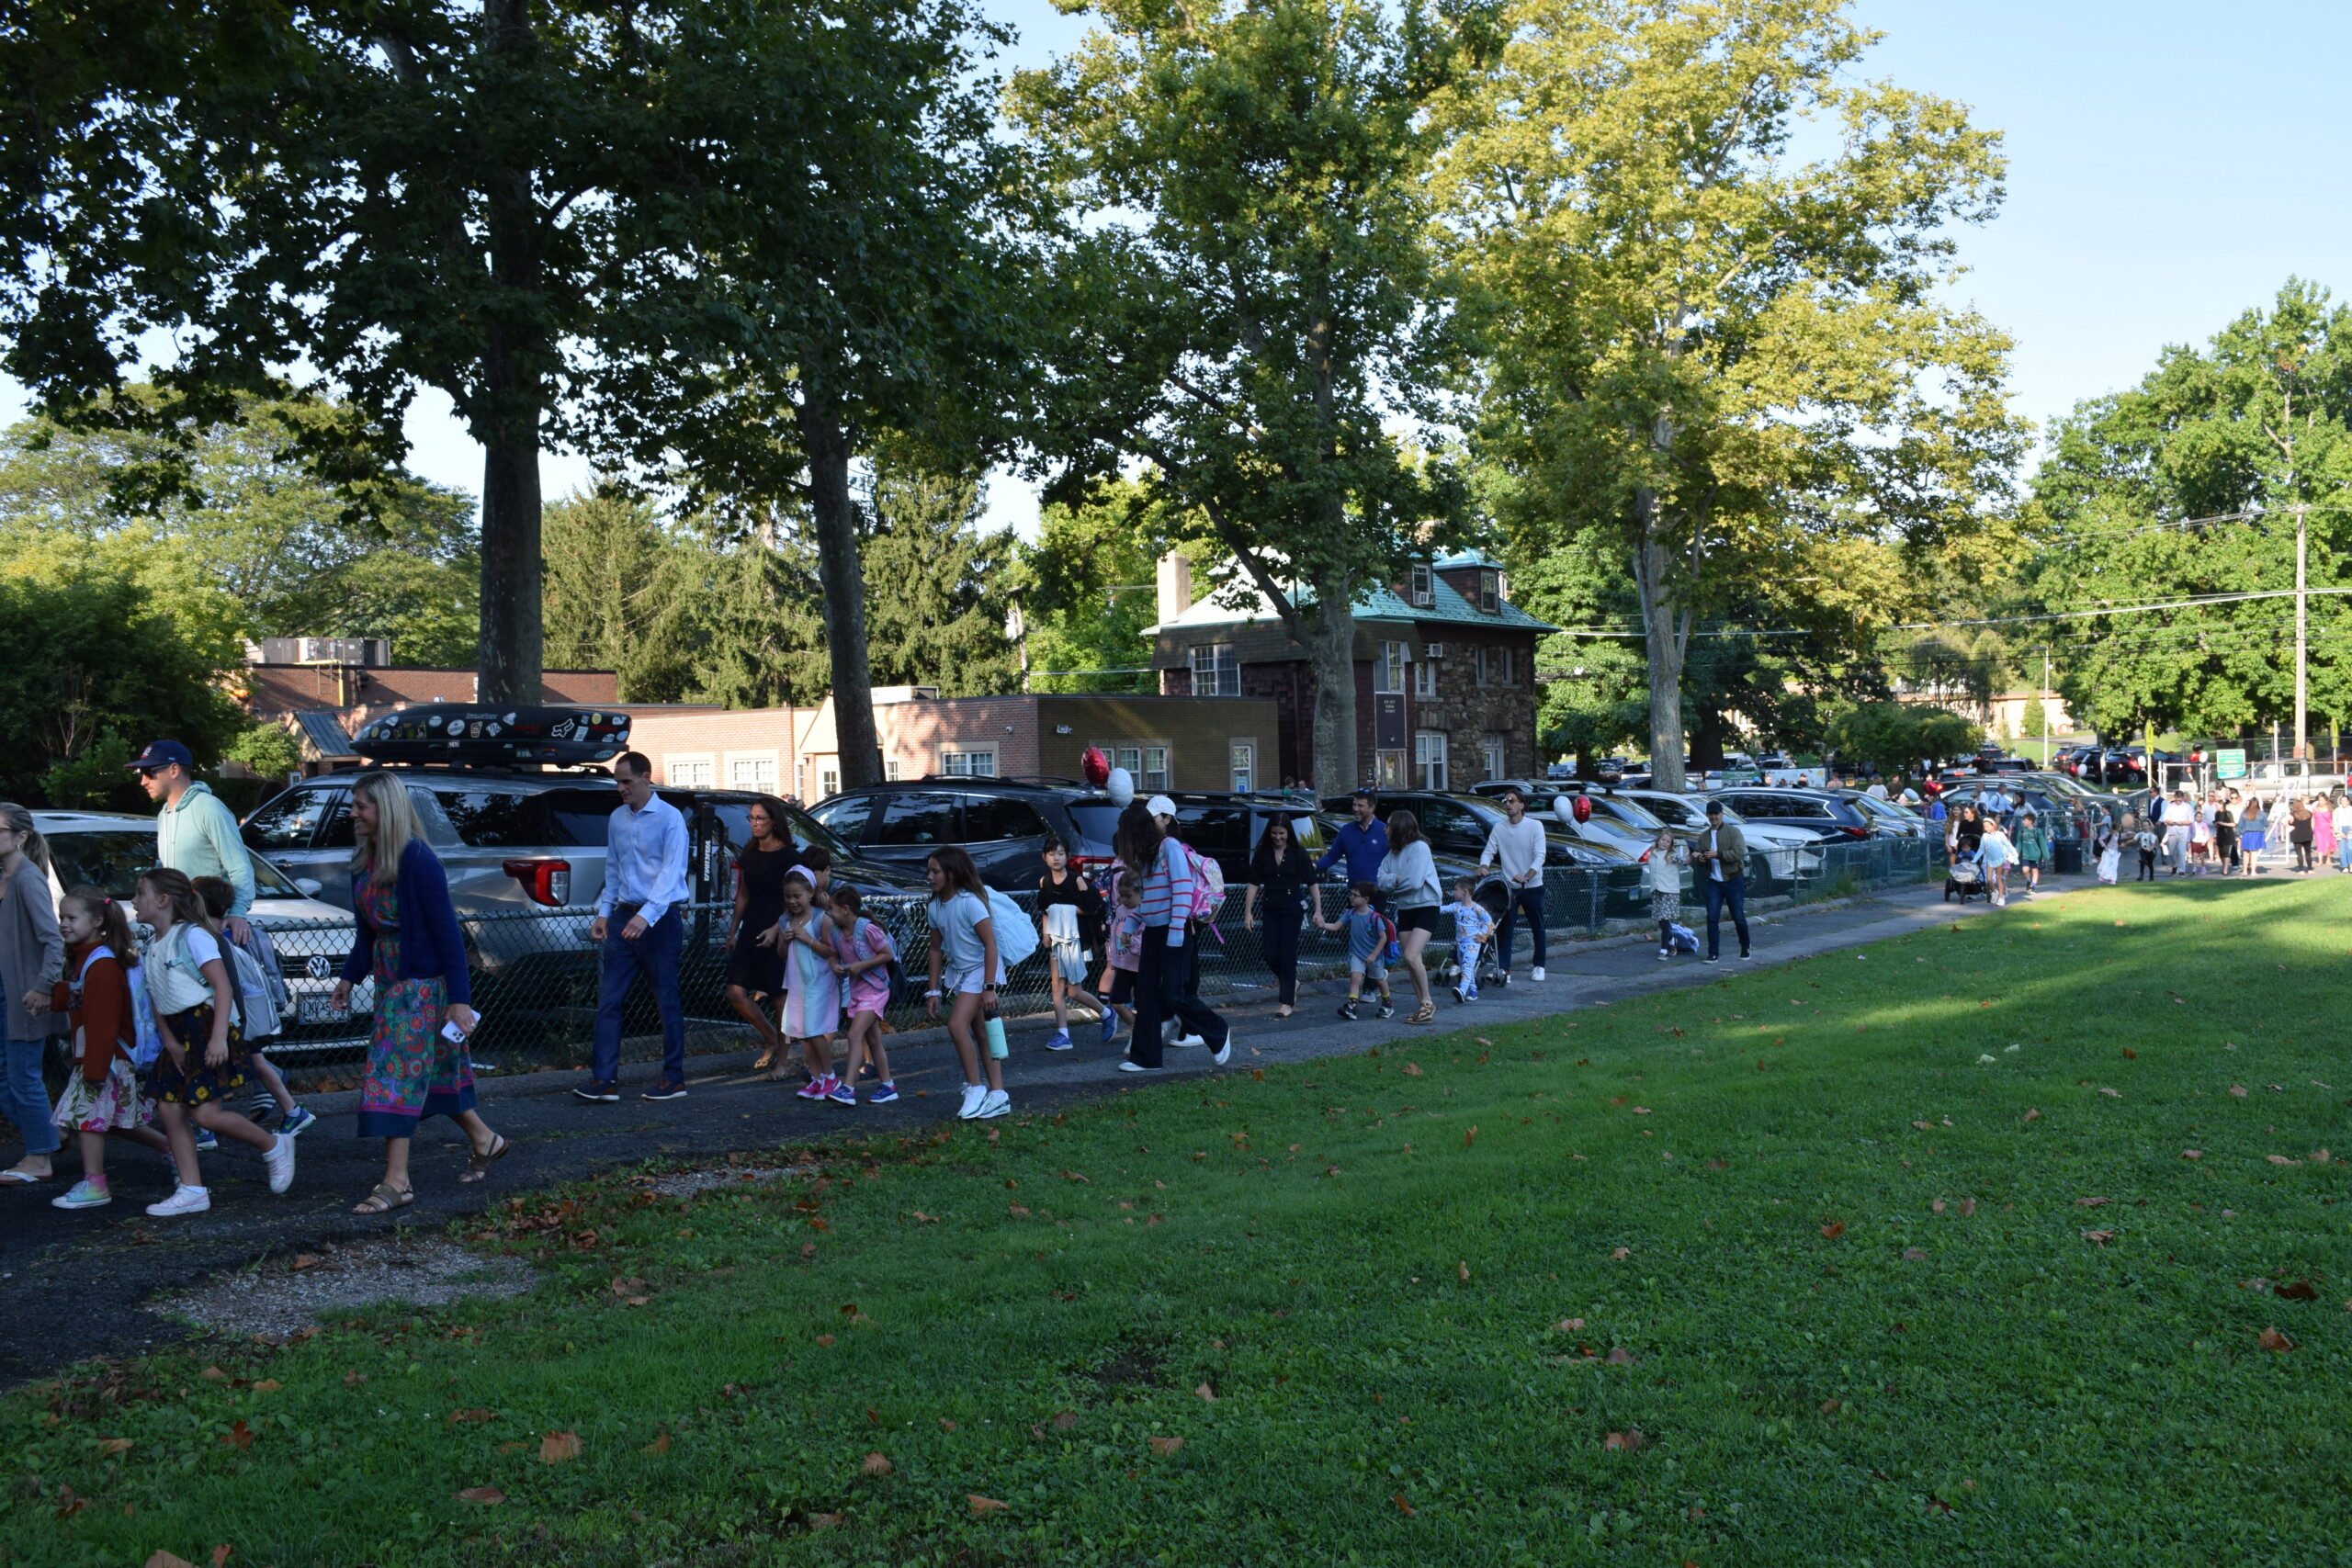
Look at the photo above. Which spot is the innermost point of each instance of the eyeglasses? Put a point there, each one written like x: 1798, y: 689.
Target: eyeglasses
x: 150, y: 772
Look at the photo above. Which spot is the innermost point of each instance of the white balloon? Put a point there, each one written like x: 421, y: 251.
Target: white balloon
x: 1121, y: 785
x: 1563, y: 809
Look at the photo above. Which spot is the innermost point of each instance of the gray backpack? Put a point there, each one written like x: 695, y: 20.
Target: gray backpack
x: 255, y: 1005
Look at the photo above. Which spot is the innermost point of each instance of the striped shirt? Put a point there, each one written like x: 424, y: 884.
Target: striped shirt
x: 1168, y: 887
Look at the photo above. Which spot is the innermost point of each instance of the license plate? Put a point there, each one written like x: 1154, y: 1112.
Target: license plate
x: 314, y: 1010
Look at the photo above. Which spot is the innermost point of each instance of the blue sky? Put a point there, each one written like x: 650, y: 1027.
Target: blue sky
x: 2170, y: 165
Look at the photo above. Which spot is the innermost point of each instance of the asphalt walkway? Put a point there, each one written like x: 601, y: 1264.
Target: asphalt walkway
x: 75, y: 1284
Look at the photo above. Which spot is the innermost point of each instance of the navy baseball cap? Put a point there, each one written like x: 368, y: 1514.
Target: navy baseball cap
x: 162, y: 754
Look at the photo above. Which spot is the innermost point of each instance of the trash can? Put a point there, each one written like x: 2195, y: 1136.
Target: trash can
x: 2068, y: 853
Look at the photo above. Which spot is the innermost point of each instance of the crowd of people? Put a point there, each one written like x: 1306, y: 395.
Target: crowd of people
x: 2224, y: 833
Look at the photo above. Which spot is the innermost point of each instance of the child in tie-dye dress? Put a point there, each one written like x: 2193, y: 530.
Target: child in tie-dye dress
x: 862, y: 954
x: 812, y: 991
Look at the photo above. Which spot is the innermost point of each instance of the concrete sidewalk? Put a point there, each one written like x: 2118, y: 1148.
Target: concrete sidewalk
x: 75, y: 1284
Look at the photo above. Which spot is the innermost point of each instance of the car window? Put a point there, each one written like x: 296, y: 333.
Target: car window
x: 918, y: 818
x: 289, y: 821
x: 1679, y: 813
x: 336, y: 832
x: 1098, y: 819
x: 1630, y: 812
x: 1215, y: 830
x: 844, y: 816
x: 992, y: 818
x: 1451, y: 825
x: 580, y: 817
x: 112, y: 859
x: 1784, y: 806
x: 490, y: 819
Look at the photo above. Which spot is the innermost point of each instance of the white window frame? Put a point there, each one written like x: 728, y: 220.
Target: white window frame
x: 1220, y: 676
x: 1494, y: 752
x: 689, y: 770
x: 890, y: 770
x: 1421, y: 587
x: 1509, y: 671
x: 831, y: 778
x: 738, y: 761
x: 1244, y: 758
x: 1146, y: 762
x: 965, y: 762
x: 1425, y: 677
x: 1490, y: 591
x: 1429, y: 762
x: 1388, y: 669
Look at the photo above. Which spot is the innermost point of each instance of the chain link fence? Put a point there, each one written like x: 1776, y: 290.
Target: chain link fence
x: 534, y: 975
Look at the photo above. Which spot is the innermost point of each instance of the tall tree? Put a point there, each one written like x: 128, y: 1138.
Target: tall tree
x: 1251, y: 312
x: 1712, y: 353
x: 1086, y: 590
x: 474, y: 196
x: 2187, y: 487
x: 941, y: 587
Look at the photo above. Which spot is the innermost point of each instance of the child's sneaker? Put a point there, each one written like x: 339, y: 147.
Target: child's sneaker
x: 279, y: 1159
x: 1348, y: 1010
x: 298, y: 1121
x: 1388, y: 1008
x: 996, y: 1103
x: 818, y: 1089
x: 86, y: 1195
x: 1060, y: 1039
x: 183, y: 1200
x: 1110, y: 1027
x: 884, y: 1093
x: 205, y: 1142
x: 842, y: 1093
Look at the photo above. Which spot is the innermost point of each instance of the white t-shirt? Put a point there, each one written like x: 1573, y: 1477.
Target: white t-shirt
x: 2343, y: 817
x: 175, y: 969
x: 2179, y: 814
x: 1877, y: 791
x: 958, y: 922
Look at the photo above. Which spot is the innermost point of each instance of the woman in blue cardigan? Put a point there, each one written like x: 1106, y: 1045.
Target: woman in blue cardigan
x: 408, y: 941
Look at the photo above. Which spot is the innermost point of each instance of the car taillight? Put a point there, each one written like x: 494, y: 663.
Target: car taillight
x: 1853, y: 831
x: 546, y: 882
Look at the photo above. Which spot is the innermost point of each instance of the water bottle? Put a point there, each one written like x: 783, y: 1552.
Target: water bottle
x: 994, y: 1029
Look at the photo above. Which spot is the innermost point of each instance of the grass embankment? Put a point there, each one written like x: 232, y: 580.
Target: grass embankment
x: 1842, y: 1289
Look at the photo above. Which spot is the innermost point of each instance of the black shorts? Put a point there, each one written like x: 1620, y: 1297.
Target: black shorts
x: 1122, y: 988
x: 1421, y: 919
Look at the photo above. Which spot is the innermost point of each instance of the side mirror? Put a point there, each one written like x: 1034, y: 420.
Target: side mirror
x: 309, y: 886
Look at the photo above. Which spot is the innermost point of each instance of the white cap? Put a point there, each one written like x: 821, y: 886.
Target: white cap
x: 1160, y: 806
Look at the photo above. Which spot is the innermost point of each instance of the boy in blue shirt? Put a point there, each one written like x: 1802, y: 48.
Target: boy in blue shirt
x: 1472, y: 926
x: 1368, y: 934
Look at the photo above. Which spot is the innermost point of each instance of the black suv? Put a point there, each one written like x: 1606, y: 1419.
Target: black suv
x: 1003, y: 824
x: 1817, y: 811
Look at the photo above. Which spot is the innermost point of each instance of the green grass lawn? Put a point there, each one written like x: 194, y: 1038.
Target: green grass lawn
x: 1895, y: 1255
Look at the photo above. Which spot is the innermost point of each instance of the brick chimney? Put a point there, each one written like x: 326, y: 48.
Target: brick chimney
x: 1175, y: 585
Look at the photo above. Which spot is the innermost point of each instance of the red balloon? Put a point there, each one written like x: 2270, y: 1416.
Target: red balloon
x: 1095, y: 766
x: 1581, y: 808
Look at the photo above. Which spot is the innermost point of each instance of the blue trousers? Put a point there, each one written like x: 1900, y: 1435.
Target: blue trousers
x: 655, y: 956
x: 1531, y: 900
x: 24, y: 1098
x: 1731, y: 890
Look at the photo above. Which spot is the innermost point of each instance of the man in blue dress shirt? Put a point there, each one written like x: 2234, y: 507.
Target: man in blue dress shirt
x: 1364, y: 842
x: 639, y: 929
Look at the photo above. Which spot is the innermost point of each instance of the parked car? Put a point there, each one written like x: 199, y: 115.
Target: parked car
x: 1776, y: 856
x: 1888, y: 818
x: 1003, y: 824
x: 2060, y: 816
x: 110, y: 848
x: 1457, y: 826
x: 1821, y: 812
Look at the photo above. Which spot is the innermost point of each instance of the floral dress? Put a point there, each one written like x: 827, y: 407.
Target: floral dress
x: 1665, y: 881
x: 412, y: 1071
x: 99, y: 999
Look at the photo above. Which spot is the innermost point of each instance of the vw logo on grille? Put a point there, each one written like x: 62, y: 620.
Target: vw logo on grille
x: 320, y: 967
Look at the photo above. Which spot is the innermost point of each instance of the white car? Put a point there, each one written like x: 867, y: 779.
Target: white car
x: 110, y: 849
x: 1789, y: 852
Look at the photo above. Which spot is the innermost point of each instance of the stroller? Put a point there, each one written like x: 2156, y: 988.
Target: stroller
x: 1966, y: 878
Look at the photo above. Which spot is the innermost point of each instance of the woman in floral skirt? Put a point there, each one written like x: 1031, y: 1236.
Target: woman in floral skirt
x: 408, y: 941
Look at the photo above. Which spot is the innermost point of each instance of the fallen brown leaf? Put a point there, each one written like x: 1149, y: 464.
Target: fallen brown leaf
x: 984, y: 1504
x: 826, y: 1521
x: 1569, y: 1325
x: 1935, y: 1206
x: 459, y: 1417
x: 876, y: 1465
x: 1621, y: 1356
x: 2279, y: 1159
x: 2238, y: 1090
x: 2031, y: 1115
x: 557, y: 1446
x: 2099, y: 1238
x: 1464, y: 1270
x: 1166, y: 1446
x: 1402, y: 1507
x: 2301, y: 1290
x: 1967, y: 1207
x: 240, y: 1437
x: 1914, y: 1254
x: 1621, y: 1253
x: 1629, y: 1439
x: 489, y: 1496
x: 2192, y: 1154
x: 2089, y: 1202
x: 1469, y: 1138
x: 213, y: 1374
x: 1413, y: 1069
x: 658, y: 1446
x: 1833, y: 1230
x: 1831, y: 1406
x: 115, y: 1446
x: 824, y: 1341
x: 1206, y: 1392
x: 169, y: 1559
x: 2271, y: 1340
x: 306, y: 1260
x: 945, y: 1424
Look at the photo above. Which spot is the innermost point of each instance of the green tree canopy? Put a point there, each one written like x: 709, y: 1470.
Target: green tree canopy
x: 2185, y: 486
x: 1088, y: 588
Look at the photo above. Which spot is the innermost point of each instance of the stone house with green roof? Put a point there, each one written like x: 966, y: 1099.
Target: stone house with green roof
x: 1446, y: 674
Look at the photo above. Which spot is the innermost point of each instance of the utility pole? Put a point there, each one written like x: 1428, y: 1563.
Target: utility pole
x: 2302, y: 627
x: 2045, y: 704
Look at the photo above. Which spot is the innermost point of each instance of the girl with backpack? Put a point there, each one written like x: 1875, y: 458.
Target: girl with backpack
x: 32, y: 954
x: 203, y: 1060
x: 864, y: 957
x: 1408, y: 879
x: 102, y: 1096
x: 261, y: 994
x: 966, y: 969
x: 1072, y: 935
x: 1162, y: 867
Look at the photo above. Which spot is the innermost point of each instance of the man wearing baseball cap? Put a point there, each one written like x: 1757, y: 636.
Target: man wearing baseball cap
x: 194, y: 830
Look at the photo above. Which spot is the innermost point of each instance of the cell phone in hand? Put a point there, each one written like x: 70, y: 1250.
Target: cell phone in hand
x: 453, y: 1034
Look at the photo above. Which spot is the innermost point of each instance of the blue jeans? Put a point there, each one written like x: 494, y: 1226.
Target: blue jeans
x: 655, y: 954
x: 24, y: 1098
x: 1731, y: 890
x: 1531, y: 900
x: 2343, y: 853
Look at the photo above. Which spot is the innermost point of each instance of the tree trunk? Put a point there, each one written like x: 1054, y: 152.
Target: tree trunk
x: 512, y: 647
x: 843, y: 577
x: 1664, y: 644
x: 1332, y: 656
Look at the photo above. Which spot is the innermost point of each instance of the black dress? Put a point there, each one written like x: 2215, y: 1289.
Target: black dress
x: 760, y: 970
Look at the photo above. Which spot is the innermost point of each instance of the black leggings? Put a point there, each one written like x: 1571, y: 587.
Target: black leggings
x: 1279, y: 937
x: 1665, y: 933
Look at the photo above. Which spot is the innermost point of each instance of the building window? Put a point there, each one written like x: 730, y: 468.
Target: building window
x: 690, y: 772
x: 890, y: 770
x: 1388, y: 671
x: 1425, y: 676
x: 1494, y: 758
x: 972, y: 764
x: 1148, y: 765
x: 1506, y: 670
x: 1388, y: 769
x: 1428, y: 758
x: 1424, y: 587
x: 831, y: 780
x: 1490, y: 591
x: 756, y: 773
x: 1216, y: 672
x: 1245, y: 766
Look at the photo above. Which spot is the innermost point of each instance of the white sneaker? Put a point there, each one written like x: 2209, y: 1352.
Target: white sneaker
x: 279, y: 1158
x: 973, y: 1094
x: 995, y: 1102
x: 1188, y: 1042
x: 1224, y: 1051
x: 1536, y: 973
x: 183, y: 1200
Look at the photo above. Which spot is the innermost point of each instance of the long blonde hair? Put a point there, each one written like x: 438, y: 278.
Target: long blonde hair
x: 35, y: 847
x: 395, y: 827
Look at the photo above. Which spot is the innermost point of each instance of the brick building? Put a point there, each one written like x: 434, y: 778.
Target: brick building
x: 1167, y: 742
x: 1446, y: 674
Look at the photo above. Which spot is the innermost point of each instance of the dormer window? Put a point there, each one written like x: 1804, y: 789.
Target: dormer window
x: 1490, y: 591
x: 1423, y: 588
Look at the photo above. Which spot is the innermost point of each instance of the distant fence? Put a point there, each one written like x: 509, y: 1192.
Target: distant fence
x: 535, y: 973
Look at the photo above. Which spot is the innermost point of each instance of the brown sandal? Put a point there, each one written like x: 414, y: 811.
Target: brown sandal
x: 1425, y: 1013
x: 477, y: 1164
x: 385, y: 1199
